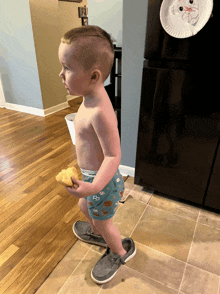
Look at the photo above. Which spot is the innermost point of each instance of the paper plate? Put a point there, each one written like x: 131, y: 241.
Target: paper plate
x: 185, y: 18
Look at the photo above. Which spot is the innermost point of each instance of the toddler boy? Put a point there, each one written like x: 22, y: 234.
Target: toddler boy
x: 87, y: 55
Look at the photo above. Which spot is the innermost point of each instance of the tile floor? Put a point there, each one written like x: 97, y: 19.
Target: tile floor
x: 178, y: 251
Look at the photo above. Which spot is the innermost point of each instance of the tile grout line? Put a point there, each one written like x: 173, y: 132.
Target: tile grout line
x: 139, y: 220
x: 147, y: 204
x: 209, y: 226
x: 151, y: 195
x: 174, y: 257
x: 189, y: 251
x: 153, y: 278
x: 160, y: 252
x: 101, y: 288
x: 150, y: 278
x: 186, y: 217
x: 167, y: 211
x: 74, y: 269
x: 201, y: 269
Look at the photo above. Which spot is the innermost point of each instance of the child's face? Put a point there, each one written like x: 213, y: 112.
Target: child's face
x: 76, y: 80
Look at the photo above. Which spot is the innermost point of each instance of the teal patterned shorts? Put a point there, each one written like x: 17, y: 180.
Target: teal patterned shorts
x: 103, y: 205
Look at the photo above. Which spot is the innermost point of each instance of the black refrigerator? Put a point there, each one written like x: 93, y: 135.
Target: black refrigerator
x: 179, y: 121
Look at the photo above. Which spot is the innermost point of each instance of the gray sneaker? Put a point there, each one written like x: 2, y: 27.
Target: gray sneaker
x: 107, y: 267
x: 83, y: 231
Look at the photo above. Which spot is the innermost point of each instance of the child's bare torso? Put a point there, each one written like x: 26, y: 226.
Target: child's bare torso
x: 88, y: 149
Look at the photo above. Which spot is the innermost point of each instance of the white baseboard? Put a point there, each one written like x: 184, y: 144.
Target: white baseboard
x: 56, y: 108
x: 36, y: 111
x: 25, y: 109
x: 127, y: 170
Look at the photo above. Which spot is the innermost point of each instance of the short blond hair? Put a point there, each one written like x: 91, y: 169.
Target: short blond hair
x: 93, y: 48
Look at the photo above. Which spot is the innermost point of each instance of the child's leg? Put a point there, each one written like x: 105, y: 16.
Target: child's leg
x: 83, y: 207
x: 111, y: 235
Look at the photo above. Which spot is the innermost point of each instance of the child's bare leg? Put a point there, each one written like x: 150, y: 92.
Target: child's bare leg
x: 83, y: 207
x: 111, y: 235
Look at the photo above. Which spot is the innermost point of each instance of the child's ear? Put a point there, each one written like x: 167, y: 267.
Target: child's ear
x: 96, y: 75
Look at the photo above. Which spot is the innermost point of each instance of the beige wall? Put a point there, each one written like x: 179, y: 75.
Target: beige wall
x: 50, y: 20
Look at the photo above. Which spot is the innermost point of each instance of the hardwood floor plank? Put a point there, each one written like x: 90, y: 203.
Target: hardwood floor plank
x: 22, y: 220
x: 36, y: 213
x: 8, y: 253
x: 36, y: 261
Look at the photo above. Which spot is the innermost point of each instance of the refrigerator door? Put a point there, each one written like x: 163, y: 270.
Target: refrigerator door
x: 213, y: 195
x: 201, y: 48
x: 178, y: 131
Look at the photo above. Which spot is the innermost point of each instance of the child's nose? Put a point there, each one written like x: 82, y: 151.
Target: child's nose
x: 61, y: 75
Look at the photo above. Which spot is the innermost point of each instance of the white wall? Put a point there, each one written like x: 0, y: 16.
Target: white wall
x: 107, y: 14
x: 18, y: 65
x: 134, y: 28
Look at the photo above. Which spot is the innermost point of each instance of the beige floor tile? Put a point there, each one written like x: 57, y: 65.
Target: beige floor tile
x: 205, y: 249
x: 210, y: 218
x: 99, y: 249
x: 127, y: 216
x: 64, y: 269
x: 197, y: 281
x: 80, y: 280
x: 129, y: 182
x: 158, y: 266
x: 165, y: 232
x: 139, y: 193
x: 129, y: 281
x: 175, y: 207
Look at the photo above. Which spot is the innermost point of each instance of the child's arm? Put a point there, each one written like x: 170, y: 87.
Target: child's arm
x: 105, y: 127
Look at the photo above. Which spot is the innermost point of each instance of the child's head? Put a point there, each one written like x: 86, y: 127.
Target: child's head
x: 89, y: 49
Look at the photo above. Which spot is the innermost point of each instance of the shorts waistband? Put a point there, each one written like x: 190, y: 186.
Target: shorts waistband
x: 88, y: 173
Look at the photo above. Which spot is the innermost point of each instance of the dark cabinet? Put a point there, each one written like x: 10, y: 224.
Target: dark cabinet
x: 114, y: 89
x: 212, y: 198
x: 178, y: 133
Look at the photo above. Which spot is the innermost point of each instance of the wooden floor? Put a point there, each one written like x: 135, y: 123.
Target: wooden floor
x: 36, y: 213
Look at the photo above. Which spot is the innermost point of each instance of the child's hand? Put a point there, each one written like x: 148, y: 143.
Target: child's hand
x: 83, y: 190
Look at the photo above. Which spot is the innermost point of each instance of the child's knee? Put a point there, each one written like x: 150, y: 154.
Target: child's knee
x: 82, y: 204
x: 102, y: 225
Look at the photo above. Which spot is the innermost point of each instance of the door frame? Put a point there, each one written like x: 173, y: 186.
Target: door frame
x: 2, y: 96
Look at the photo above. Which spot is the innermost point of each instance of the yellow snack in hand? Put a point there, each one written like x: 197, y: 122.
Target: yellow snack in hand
x: 64, y: 177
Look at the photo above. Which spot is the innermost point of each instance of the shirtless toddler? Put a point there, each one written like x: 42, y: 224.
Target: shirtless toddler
x: 87, y: 55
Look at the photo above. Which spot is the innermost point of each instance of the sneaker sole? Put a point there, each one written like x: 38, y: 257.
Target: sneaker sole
x: 90, y: 242
x: 109, y: 279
